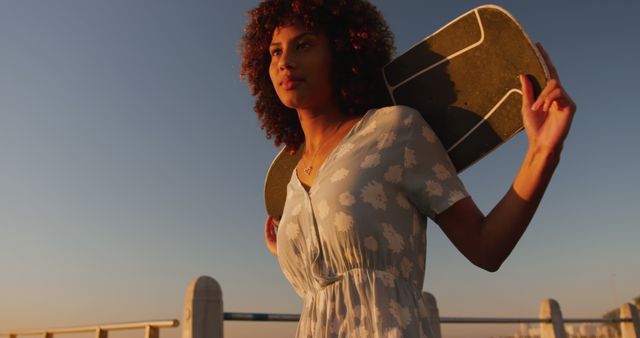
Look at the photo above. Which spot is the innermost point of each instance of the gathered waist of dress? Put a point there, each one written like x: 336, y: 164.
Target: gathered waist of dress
x: 329, y: 282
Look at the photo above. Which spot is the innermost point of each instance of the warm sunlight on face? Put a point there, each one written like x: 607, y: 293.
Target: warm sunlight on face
x: 300, y: 67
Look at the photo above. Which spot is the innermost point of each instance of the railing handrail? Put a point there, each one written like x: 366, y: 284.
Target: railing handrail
x: 93, y: 328
x: 503, y: 320
x: 286, y: 317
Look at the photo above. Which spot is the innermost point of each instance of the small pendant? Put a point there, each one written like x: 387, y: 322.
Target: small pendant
x: 308, y: 170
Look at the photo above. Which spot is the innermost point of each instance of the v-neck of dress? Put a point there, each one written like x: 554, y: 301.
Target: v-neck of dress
x: 330, y: 156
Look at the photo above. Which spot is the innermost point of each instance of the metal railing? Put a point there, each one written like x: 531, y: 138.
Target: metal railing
x: 204, y: 318
x: 151, y: 329
x: 286, y: 317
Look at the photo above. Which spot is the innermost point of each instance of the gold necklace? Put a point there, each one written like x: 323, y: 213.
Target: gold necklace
x: 309, y: 167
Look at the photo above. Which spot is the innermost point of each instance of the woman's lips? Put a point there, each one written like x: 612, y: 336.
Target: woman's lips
x: 291, y: 83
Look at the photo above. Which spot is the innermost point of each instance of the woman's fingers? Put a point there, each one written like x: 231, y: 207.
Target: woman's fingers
x: 270, y: 232
x: 556, y: 94
x: 270, y: 235
x: 551, y: 85
x: 527, y: 92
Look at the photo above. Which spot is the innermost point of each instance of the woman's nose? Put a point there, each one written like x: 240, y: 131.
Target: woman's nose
x: 286, y: 60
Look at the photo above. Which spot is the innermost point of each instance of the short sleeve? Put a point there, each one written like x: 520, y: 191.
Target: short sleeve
x: 430, y: 180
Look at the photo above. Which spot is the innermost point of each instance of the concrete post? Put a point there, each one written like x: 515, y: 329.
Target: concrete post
x: 434, y: 314
x: 203, y: 311
x: 100, y: 333
x: 550, y: 309
x: 151, y: 332
x: 630, y: 329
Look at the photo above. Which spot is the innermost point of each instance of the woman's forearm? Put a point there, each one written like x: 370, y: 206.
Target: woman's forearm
x: 505, y: 224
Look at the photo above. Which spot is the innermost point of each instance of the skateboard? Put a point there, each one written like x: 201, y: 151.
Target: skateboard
x: 464, y: 81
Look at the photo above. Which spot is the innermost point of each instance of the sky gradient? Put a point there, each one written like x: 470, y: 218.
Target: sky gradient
x: 131, y: 161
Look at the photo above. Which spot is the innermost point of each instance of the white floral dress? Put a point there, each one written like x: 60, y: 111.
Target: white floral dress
x: 354, y: 246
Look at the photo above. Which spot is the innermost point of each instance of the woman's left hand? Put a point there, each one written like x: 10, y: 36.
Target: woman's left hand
x: 548, y: 119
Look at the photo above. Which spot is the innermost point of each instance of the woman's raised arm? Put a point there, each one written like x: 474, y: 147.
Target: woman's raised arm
x: 488, y: 240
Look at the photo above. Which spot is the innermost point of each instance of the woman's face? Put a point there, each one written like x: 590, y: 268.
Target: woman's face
x: 300, y: 68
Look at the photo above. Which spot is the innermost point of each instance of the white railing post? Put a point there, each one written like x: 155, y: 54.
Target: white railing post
x: 151, y: 332
x: 630, y: 329
x: 433, y: 312
x: 550, y: 309
x: 203, y: 311
x: 100, y: 333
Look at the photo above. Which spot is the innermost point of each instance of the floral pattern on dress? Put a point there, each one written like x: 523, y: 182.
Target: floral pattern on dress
x: 293, y: 229
x: 374, y: 195
x: 441, y: 171
x: 393, y: 174
x: 346, y: 199
x: 344, y: 222
x: 338, y: 175
x: 434, y: 188
x: 354, y: 246
x: 429, y: 135
x: 394, y: 239
x: 409, y: 158
x: 344, y: 149
x: 400, y: 313
x: 371, y: 243
x: 370, y: 161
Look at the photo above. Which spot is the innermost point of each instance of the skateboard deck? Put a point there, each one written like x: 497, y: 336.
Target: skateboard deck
x: 464, y: 81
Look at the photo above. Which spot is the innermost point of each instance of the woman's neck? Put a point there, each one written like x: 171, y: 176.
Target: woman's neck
x: 319, y: 124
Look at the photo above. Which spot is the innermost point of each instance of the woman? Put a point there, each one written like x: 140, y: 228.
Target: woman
x: 351, y: 240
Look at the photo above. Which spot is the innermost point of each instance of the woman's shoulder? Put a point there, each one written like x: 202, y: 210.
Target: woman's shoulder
x: 395, y: 118
x: 398, y: 111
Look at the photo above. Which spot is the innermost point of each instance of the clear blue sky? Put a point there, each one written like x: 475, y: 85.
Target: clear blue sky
x: 131, y: 161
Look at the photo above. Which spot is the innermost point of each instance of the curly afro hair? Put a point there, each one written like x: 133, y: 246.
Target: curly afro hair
x: 361, y: 43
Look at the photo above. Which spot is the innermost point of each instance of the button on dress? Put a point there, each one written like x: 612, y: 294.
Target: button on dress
x: 354, y: 246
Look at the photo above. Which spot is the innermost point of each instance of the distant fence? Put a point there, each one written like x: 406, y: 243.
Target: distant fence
x: 151, y: 329
x: 204, y: 318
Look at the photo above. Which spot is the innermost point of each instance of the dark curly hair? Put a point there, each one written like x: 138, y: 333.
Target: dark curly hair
x: 361, y: 43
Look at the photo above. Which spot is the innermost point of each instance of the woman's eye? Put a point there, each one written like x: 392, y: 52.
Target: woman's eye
x: 303, y: 45
x: 275, y: 52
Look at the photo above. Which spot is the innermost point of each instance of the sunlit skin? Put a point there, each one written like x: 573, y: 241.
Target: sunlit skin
x: 299, y: 70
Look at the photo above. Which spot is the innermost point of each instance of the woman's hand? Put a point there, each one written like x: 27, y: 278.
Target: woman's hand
x: 548, y: 119
x: 270, y: 237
